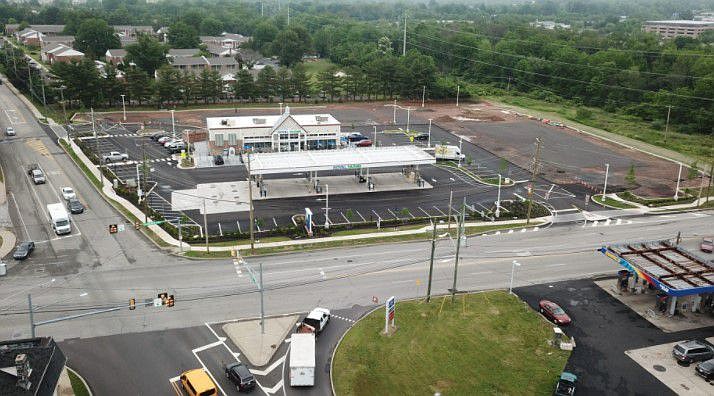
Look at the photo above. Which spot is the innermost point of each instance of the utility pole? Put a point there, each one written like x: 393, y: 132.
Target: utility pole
x: 461, y: 141
x: 666, y: 125
x: 458, y: 91
x: 604, y: 189
x: 431, y: 263
x: 252, y: 215
x: 711, y: 176
x: 536, y: 158
x: 96, y: 150
x: 508, y: 87
x: 180, y: 236
x: 459, y: 233
x: 451, y: 197
x: 423, y: 95
x: 375, y: 137
x: 205, y: 225
x: 404, y: 44
x: 173, y: 125
x: 408, y: 111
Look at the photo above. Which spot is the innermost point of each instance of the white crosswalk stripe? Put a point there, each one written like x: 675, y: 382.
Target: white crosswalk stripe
x: 343, y: 318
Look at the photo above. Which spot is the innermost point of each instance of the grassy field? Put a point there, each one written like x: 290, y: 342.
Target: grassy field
x: 655, y: 202
x: 485, y: 343
x: 317, y: 67
x: 698, y: 146
x: 612, y: 202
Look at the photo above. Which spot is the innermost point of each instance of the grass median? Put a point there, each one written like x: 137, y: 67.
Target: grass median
x: 77, y: 384
x: 612, y: 202
x: 485, y: 343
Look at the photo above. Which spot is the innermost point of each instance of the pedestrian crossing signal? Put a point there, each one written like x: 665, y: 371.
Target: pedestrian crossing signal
x: 113, y: 228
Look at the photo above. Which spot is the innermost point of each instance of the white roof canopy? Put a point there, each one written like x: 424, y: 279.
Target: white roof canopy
x: 340, y: 159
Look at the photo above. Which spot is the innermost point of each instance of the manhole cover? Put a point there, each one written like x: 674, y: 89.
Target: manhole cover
x: 659, y: 368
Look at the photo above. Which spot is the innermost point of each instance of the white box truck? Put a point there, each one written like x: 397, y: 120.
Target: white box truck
x: 302, y: 359
x: 59, y: 218
x: 444, y: 152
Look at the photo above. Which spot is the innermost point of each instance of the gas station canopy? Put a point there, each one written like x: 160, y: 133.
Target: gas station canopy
x: 666, y: 266
x: 339, y: 159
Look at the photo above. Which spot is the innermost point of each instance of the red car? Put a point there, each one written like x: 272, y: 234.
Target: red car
x: 364, y: 143
x: 707, y: 245
x: 553, y: 312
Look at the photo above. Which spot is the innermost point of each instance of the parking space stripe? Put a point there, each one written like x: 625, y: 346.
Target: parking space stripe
x: 360, y: 215
x: 424, y: 211
x: 439, y: 210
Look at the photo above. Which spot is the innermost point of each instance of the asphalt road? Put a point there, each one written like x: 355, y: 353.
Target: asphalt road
x: 604, y: 329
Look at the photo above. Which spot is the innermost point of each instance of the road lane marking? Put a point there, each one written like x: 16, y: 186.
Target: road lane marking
x: 209, y: 346
x: 273, y: 389
x: 270, y: 368
x: 209, y: 373
x: 19, y: 213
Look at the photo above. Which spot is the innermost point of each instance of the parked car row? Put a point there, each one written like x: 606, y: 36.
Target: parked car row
x: 173, y: 145
x: 693, y: 351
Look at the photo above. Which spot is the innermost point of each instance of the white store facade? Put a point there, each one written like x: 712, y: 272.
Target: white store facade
x: 280, y: 133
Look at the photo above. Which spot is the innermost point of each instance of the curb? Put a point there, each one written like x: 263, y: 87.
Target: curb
x: 84, y: 382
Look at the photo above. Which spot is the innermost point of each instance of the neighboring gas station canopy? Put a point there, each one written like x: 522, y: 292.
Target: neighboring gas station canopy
x: 666, y: 266
x: 340, y: 159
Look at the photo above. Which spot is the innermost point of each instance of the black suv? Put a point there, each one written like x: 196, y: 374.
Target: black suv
x: 688, y: 352
x: 218, y: 160
x: 240, y: 376
x: 75, y: 206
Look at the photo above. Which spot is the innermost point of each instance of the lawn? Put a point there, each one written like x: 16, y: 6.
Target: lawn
x: 485, y: 343
x: 77, y: 384
x: 317, y: 67
x: 612, y: 202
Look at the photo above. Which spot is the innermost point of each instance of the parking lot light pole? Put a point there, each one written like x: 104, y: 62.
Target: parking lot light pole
x: 409, y: 109
x: 123, y: 106
x: 173, y: 125
x: 374, y: 142
x: 498, y: 199
x: 96, y: 149
x: 394, y: 116
x: 429, y: 140
x: 679, y: 176
x: 327, y: 206
x: 205, y: 226
x: 423, y: 95
x: 250, y: 203
x: 604, y: 188
x: 513, y: 271
x: 458, y: 91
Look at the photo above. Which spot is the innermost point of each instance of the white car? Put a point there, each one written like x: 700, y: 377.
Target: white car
x: 10, y: 131
x: 172, y: 141
x: 68, y: 193
x: 164, y: 139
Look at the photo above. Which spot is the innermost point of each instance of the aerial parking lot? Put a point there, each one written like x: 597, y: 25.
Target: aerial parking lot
x: 492, y: 142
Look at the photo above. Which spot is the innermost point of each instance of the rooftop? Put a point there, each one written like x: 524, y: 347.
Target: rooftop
x: 223, y: 60
x: 268, y: 121
x: 681, y: 22
x: 46, y: 362
x: 189, y: 61
x: 339, y: 159
x: 666, y: 266
x: 116, y: 52
x: 181, y: 52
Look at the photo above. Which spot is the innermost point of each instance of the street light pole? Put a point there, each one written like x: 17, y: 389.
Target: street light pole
x: 262, y: 306
x: 327, y: 206
x: 679, y: 176
x: 458, y: 91
x: 604, y: 189
x: 429, y: 143
x: 459, y: 233
x: 394, y: 117
x: 431, y: 263
x: 375, y: 137
x: 96, y: 149
x: 423, y: 95
x: 408, y: 111
x: 123, y: 106
x: 513, y: 271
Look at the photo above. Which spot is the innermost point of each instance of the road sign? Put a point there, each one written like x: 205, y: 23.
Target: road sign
x: 112, y: 228
x: 308, y: 221
x: 158, y: 302
x: 120, y: 228
x: 389, y: 306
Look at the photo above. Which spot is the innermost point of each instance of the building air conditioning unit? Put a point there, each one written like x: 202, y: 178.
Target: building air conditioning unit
x: 320, y: 118
x: 224, y: 121
x: 258, y: 120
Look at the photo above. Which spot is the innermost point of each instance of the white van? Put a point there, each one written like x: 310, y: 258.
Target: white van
x: 59, y: 218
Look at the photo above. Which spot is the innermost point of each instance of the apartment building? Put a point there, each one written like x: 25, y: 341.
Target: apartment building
x: 674, y: 28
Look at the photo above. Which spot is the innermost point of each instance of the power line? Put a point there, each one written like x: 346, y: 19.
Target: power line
x: 562, y: 62
x: 577, y: 46
x: 565, y: 78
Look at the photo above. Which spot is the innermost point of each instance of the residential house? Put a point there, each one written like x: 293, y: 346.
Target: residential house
x: 46, y: 41
x: 48, y: 30
x: 29, y: 37
x: 115, y: 56
x: 32, y: 366
x: 133, y: 31
x: 61, y: 53
x: 102, y: 68
x: 225, y: 40
x: 218, y: 51
x: 194, y: 65
x: 223, y: 65
x: 549, y: 25
x: 182, y: 53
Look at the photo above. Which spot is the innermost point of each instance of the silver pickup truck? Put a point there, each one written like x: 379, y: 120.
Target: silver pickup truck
x: 115, y: 156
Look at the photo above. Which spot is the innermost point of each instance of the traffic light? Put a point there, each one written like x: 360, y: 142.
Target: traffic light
x: 163, y: 297
x: 137, y: 224
x: 113, y: 228
x: 132, y: 304
x: 170, y: 301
